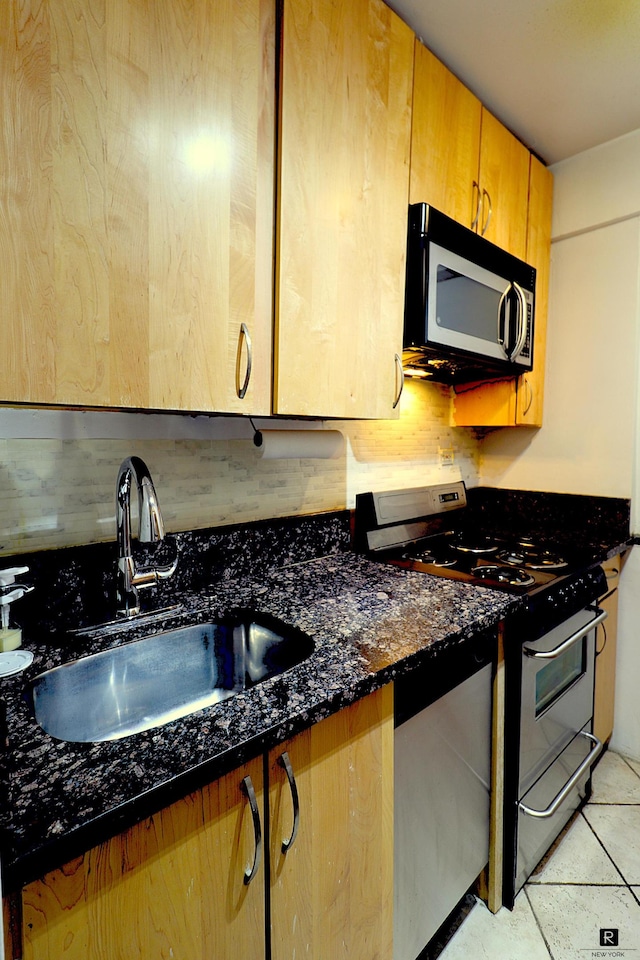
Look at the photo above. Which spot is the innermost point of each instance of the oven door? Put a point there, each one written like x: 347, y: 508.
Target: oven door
x: 557, y: 692
x: 552, y: 801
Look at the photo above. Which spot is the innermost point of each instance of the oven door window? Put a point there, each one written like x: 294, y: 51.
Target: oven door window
x: 558, y: 675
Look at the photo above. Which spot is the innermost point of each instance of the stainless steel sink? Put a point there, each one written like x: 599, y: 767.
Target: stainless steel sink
x: 148, y: 682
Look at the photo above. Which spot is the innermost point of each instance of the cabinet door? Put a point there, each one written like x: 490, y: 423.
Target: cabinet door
x: 530, y: 386
x: 346, y: 82
x: 606, y: 642
x: 444, y: 168
x: 136, y: 206
x: 507, y: 403
x: 170, y: 887
x: 332, y: 891
x: 504, y: 181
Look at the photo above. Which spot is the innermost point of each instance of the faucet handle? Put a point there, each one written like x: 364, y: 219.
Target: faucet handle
x: 166, y: 570
x: 148, y: 576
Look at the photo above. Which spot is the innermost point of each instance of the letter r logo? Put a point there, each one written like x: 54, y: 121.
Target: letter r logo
x: 608, y: 937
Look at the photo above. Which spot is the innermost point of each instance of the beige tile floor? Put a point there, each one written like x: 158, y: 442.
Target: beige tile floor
x: 589, y: 884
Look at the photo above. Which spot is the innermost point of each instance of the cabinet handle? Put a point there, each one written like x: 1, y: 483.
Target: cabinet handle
x: 569, y: 785
x: 521, y: 338
x: 247, y: 788
x: 242, y: 338
x: 527, y: 405
x: 285, y: 763
x: 400, y: 372
x: 476, y: 187
x: 486, y: 194
x: 604, y: 633
x: 502, y: 323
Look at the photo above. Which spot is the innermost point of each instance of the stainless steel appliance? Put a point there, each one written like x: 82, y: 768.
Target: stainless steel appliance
x: 469, y: 305
x: 555, y: 748
x: 549, y: 649
x: 442, y: 769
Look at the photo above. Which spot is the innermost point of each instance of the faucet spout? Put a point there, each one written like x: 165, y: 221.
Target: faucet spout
x: 150, y: 530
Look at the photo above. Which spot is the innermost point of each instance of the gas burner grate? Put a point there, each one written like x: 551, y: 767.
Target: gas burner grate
x: 532, y: 558
x: 513, y: 576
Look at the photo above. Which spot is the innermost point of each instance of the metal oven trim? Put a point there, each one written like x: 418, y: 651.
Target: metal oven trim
x: 544, y: 735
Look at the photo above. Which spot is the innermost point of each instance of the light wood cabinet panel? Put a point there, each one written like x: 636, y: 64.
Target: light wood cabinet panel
x: 504, y: 181
x: 444, y: 167
x: 463, y: 160
x: 606, y: 643
x: 530, y: 386
x: 332, y: 892
x: 170, y: 887
x: 519, y: 402
x: 483, y: 177
x: 136, y: 202
x: 346, y: 86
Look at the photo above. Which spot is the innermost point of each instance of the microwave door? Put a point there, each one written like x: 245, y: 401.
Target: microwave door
x: 463, y: 304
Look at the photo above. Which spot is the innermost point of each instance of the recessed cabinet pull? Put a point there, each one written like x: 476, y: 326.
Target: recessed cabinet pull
x: 485, y: 226
x: 476, y: 187
x: 285, y: 763
x: 400, y: 374
x: 247, y: 788
x: 242, y: 338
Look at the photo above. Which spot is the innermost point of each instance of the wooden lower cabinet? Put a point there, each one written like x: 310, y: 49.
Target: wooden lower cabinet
x: 173, y: 886
x: 169, y: 887
x: 332, y: 891
x: 606, y: 641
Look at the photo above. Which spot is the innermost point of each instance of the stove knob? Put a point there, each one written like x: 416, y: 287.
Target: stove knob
x: 560, y: 598
x: 553, y: 600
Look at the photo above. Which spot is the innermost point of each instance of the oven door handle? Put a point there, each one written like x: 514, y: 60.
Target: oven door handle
x: 569, y: 785
x: 578, y: 635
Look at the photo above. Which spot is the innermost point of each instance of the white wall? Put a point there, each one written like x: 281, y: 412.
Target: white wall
x: 588, y: 441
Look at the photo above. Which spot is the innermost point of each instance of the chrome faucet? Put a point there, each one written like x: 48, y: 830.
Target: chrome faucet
x: 151, y: 530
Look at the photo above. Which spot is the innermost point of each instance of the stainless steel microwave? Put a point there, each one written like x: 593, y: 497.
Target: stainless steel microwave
x: 469, y: 305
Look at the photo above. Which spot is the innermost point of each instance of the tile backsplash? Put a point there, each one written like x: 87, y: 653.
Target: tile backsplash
x: 60, y: 492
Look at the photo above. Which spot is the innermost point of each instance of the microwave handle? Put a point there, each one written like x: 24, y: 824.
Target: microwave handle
x: 502, y: 322
x: 522, y: 321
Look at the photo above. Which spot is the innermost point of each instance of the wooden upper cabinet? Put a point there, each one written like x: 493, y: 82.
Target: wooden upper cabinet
x: 463, y: 161
x: 530, y: 387
x: 469, y: 166
x: 504, y: 186
x: 519, y: 402
x: 136, y: 202
x: 345, y: 128
x: 445, y: 139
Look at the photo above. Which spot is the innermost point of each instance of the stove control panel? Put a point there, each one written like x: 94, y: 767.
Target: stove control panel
x: 396, y: 506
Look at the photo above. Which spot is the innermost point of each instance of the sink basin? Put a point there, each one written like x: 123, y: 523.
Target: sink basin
x: 148, y: 682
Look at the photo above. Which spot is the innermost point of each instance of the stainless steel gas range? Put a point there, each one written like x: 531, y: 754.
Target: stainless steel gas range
x: 549, y: 649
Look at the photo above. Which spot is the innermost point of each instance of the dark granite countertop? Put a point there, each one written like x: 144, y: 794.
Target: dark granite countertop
x: 369, y: 623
